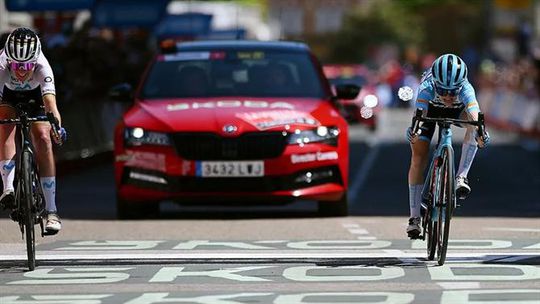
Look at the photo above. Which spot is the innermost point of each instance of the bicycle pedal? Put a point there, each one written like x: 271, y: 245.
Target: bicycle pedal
x: 414, y: 235
x: 50, y: 232
x: 14, y: 216
x: 462, y: 193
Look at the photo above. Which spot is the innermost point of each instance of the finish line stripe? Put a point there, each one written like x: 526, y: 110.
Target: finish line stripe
x: 271, y: 257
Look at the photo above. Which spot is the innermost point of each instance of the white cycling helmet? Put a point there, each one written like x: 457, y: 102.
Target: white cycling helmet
x: 22, y: 45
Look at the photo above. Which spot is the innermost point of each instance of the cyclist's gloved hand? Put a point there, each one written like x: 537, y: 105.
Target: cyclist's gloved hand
x: 483, y: 141
x: 62, y: 136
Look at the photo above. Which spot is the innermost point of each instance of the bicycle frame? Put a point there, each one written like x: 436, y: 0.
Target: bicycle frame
x: 440, y: 193
x: 445, y: 141
x: 25, y: 145
x: 30, y: 202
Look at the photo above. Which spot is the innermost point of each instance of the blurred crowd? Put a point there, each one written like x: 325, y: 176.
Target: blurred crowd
x: 508, y: 91
x: 86, y: 64
x: 99, y: 59
x: 89, y: 61
x: 510, y: 94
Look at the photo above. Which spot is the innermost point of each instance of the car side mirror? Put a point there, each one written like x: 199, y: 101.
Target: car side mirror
x: 347, y: 91
x: 121, y: 92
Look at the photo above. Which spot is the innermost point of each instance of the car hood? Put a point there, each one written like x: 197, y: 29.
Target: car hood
x: 231, y: 115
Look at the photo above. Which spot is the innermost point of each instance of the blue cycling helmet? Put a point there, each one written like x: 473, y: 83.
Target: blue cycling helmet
x: 449, y: 72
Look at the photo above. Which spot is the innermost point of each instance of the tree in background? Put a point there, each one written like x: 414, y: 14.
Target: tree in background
x: 436, y: 26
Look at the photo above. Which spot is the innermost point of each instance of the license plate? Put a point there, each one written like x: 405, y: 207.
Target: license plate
x: 230, y: 168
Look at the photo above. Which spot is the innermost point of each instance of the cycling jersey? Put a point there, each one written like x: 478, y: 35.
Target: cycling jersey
x: 466, y: 98
x: 42, y: 77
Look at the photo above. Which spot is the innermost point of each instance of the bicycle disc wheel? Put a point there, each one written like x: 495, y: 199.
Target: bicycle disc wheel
x: 27, y: 200
x: 447, y: 197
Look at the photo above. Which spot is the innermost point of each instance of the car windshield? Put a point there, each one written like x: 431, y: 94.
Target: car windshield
x: 233, y: 73
x: 357, y: 80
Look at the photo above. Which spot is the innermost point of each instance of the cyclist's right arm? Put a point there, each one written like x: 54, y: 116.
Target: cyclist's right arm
x: 425, y: 94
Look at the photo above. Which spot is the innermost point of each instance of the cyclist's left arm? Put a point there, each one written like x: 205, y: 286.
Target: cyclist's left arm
x: 45, y: 76
x: 468, y: 97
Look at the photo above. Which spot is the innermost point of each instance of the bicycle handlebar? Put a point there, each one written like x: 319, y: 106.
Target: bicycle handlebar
x: 478, y: 123
x: 48, y: 118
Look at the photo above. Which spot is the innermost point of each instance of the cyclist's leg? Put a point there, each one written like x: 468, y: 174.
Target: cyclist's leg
x: 7, y: 156
x: 419, y: 160
x: 41, y: 138
x: 468, y: 152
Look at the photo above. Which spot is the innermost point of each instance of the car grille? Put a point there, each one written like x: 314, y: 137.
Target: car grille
x: 230, y: 185
x: 211, y: 146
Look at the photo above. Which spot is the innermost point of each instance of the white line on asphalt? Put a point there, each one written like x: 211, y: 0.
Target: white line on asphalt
x: 247, y: 256
x: 459, y: 285
x: 358, y: 231
x: 366, y: 238
x: 362, y: 174
x: 512, y: 229
x: 355, y: 229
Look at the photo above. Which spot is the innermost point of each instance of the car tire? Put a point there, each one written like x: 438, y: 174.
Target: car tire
x: 334, y: 208
x: 127, y: 210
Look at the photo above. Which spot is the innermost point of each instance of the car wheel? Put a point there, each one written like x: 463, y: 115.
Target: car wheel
x: 127, y: 210
x: 336, y: 208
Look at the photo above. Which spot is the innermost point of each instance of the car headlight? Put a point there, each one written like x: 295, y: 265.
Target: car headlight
x: 323, y: 134
x: 139, y: 136
x: 371, y: 101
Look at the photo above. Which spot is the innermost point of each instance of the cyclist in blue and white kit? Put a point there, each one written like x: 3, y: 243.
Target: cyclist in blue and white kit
x: 444, y: 92
x: 25, y: 74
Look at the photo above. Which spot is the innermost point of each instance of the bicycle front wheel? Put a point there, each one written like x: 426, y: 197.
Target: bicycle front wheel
x: 446, y: 201
x: 27, y: 200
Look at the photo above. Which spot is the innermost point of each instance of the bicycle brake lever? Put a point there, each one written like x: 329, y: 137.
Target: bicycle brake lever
x: 481, y: 126
x: 55, y: 125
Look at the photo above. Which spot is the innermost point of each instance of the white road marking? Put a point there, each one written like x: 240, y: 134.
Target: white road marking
x: 358, y: 231
x: 366, y: 238
x: 511, y: 229
x: 459, y: 285
x: 247, y: 256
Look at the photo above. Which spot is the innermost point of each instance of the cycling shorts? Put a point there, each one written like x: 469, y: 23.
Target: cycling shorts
x: 12, y: 98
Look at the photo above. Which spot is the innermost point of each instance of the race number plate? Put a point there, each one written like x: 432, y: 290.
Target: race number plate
x: 230, y: 168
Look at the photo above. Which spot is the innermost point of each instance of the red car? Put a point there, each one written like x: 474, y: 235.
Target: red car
x: 364, y: 108
x: 229, y: 122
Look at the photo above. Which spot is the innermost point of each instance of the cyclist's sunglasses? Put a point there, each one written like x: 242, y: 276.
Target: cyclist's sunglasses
x: 444, y: 92
x: 24, y: 66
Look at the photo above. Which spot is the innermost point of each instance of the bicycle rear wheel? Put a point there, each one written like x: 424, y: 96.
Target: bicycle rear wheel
x: 446, y: 199
x: 27, y: 203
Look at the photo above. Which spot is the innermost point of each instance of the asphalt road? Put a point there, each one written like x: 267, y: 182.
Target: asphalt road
x: 287, y: 254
